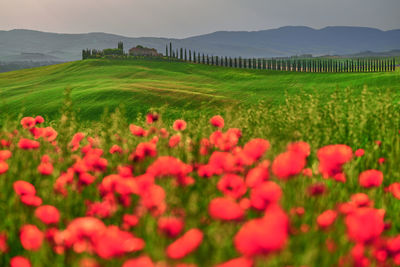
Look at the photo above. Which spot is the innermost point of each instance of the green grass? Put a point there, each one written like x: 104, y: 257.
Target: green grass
x: 142, y: 84
x: 281, y: 107
x: 316, y: 119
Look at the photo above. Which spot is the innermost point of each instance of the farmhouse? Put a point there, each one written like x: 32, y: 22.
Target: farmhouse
x: 143, y: 51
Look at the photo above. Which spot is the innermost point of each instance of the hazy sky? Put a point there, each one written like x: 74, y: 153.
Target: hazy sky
x: 183, y: 18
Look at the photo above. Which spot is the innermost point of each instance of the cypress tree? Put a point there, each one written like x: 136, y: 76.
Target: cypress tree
x: 185, y: 55
x: 170, y: 49
x: 198, y: 57
x: 190, y: 55
x: 212, y: 60
x: 120, y: 45
x: 386, y: 64
x: 166, y: 50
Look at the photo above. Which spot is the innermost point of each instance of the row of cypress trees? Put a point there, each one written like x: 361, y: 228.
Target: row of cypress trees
x: 289, y: 64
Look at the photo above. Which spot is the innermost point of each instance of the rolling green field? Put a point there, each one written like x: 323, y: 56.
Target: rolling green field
x: 142, y: 84
x: 276, y: 182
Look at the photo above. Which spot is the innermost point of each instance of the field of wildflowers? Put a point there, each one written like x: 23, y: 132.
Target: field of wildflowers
x: 313, y: 182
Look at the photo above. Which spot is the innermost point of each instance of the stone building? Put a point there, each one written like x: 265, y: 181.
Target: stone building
x: 143, y: 51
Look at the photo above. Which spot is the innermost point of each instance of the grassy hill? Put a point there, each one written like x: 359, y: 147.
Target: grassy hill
x: 142, y: 84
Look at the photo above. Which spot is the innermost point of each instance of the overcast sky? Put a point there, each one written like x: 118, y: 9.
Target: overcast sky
x: 183, y: 18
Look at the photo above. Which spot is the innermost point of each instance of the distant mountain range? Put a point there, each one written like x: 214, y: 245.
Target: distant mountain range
x: 36, y: 46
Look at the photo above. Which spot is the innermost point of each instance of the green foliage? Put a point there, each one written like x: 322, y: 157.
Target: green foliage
x: 317, y: 118
x: 139, y: 84
x: 113, y: 51
x: 121, y: 46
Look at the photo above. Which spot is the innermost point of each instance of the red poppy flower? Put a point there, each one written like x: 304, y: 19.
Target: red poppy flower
x: 142, y: 261
x: 24, y: 188
x: 217, y: 121
x: 3, y: 167
x: 49, y: 134
x: 28, y: 122
x: 225, y: 141
x: 359, y: 152
x: 326, y: 219
x: 28, y: 144
x: 31, y: 237
x: 179, y: 125
x: 394, y: 189
x: 130, y: 220
x: 19, y: 261
x: 186, y: 244
x: 170, y: 166
x: 223, y: 208
x: 256, y: 176
x: 255, y: 148
x: 47, y: 214
x: 115, y: 149
x: 81, y: 229
x: 288, y: 164
x: 3, y: 243
x: 5, y: 155
x: 86, y: 178
x: 232, y: 185
x: 137, y: 130
x: 151, y: 117
x: 238, y: 262
x: 174, y: 140
x: 266, y: 194
x: 307, y: 172
x: 393, y: 244
x: 222, y: 162
x: 300, y: 147
x: 76, y: 139
x: 360, y: 200
x: 39, y: 119
x: 143, y: 150
x: 332, y: 157
x: 114, y: 243
x: 365, y: 224
x: 45, y: 168
x: 371, y: 178
x: 88, y: 262
x: 170, y: 226
x: 316, y: 189
x: 31, y: 200
x: 265, y: 235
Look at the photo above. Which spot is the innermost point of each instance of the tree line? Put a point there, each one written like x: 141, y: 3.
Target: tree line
x: 286, y: 64
x: 95, y: 53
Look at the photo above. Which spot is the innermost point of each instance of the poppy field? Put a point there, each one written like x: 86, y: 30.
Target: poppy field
x: 313, y: 182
